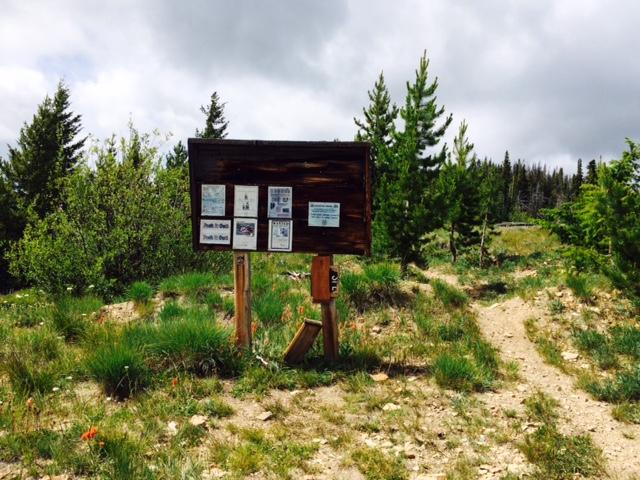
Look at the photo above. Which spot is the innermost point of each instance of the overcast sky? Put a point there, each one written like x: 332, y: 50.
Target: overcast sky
x: 549, y: 80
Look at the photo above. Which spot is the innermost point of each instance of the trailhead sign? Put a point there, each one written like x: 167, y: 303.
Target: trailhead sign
x: 277, y: 196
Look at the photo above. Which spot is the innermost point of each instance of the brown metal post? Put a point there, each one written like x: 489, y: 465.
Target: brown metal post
x: 242, y: 286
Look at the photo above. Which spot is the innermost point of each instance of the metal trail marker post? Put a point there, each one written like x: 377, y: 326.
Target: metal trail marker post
x: 267, y: 196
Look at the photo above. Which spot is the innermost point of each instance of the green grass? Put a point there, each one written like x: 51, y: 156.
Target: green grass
x: 598, y: 346
x: 581, y: 286
x: 259, y: 451
x: 377, y: 285
x: 140, y: 292
x: 627, y: 412
x: 559, y: 456
x: 194, y: 285
x: 378, y: 465
x: 71, y: 315
x: 120, y: 369
x: 626, y: 340
x: 449, y: 295
x: 623, y: 387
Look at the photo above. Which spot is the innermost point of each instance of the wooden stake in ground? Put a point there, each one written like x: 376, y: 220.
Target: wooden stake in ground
x: 242, y: 286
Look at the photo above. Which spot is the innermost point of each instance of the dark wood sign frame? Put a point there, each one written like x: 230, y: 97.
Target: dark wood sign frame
x: 337, y: 172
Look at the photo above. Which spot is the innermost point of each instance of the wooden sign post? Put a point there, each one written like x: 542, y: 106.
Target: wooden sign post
x: 242, y: 290
x: 263, y: 196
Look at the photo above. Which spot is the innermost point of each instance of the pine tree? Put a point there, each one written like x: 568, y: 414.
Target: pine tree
x: 178, y: 157
x: 30, y: 179
x: 47, y: 150
x: 458, y: 186
x: 407, y: 194
x: 378, y: 128
x: 215, y: 124
x: 577, y: 180
x: 507, y: 178
x: 592, y: 172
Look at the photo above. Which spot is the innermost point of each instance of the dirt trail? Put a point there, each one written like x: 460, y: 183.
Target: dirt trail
x: 503, y: 325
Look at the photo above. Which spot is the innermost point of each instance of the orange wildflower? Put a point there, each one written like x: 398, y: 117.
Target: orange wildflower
x: 174, y: 382
x: 301, y: 310
x: 30, y: 403
x: 254, y: 328
x: 286, y: 314
x: 89, y: 434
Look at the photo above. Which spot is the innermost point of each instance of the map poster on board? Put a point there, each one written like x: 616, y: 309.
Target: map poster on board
x: 280, y: 235
x: 245, y: 234
x: 280, y: 202
x: 324, y: 214
x: 213, y: 200
x: 245, y: 201
x: 216, y: 232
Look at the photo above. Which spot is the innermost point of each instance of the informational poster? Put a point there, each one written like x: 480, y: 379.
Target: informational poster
x: 245, y: 201
x: 280, y: 202
x: 213, y: 200
x: 324, y: 214
x: 245, y: 234
x: 280, y: 235
x: 217, y: 232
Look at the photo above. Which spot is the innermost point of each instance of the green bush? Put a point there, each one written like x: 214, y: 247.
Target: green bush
x: 119, y: 368
x: 126, y: 217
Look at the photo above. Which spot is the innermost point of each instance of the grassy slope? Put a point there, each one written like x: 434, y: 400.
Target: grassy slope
x: 65, y: 370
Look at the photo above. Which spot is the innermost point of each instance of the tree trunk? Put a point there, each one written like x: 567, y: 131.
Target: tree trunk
x: 452, y: 245
x: 484, y: 231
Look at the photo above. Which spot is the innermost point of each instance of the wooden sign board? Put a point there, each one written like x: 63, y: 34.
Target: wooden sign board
x: 275, y: 196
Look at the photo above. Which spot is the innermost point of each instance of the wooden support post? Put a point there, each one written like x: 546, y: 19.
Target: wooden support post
x: 330, y: 330
x: 242, y: 285
x: 321, y: 280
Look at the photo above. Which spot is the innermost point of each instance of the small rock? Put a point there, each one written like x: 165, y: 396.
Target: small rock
x: 379, y: 377
x: 172, y: 428
x: 376, y: 329
x: 320, y: 441
x: 198, y: 420
x: 570, y: 356
x: 412, y: 379
x: 391, y: 407
x: 264, y: 416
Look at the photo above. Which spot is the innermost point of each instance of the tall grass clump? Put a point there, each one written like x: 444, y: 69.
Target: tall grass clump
x: 626, y: 340
x: 598, y: 346
x: 448, y: 295
x: 193, y: 342
x: 580, y: 286
x: 70, y: 315
x: 457, y: 372
x: 194, y: 285
x: 119, y: 368
x: 378, y: 284
x: 624, y: 387
x: 141, y: 292
x: 34, y: 361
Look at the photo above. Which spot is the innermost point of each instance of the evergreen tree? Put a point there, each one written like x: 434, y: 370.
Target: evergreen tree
x: 592, y: 172
x: 215, y: 124
x: 459, y: 192
x: 577, y: 180
x: 507, y: 177
x: 48, y: 149
x: 31, y: 178
x: 378, y: 128
x: 178, y: 157
x: 407, y: 195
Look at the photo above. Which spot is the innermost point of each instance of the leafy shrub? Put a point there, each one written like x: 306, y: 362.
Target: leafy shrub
x: 140, y: 292
x: 126, y: 217
x: 119, y: 368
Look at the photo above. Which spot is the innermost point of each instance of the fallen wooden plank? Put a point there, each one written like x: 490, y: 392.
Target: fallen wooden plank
x: 302, y: 341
